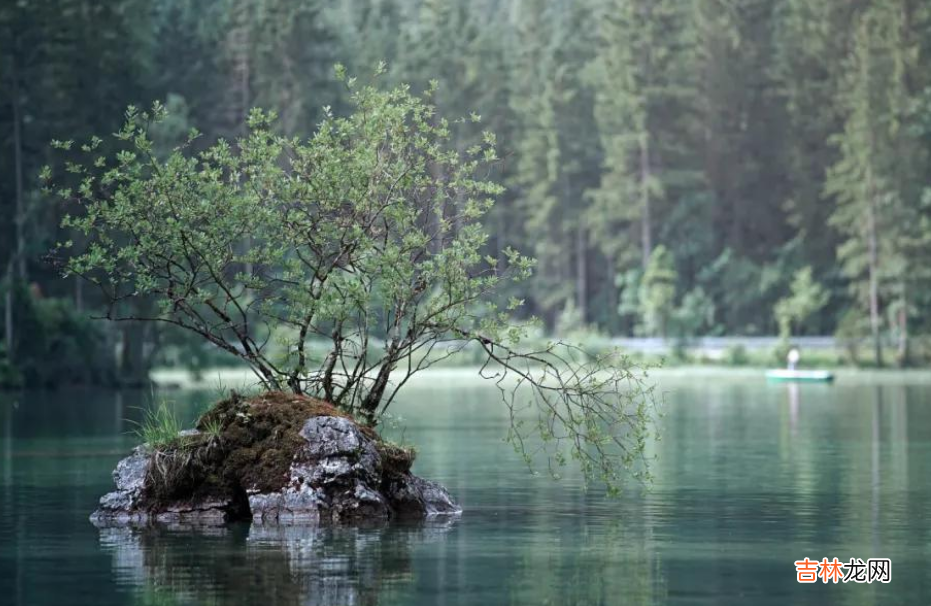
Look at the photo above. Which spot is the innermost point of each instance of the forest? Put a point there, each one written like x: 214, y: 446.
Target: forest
x: 677, y: 168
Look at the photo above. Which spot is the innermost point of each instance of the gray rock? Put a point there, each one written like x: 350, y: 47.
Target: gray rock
x: 129, y: 475
x: 128, y: 505
x: 125, y: 503
x: 202, y: 511
x: 412, y: 496
x: 291, y: 505
x: 337, y: 475
x: 327, y: 436
x: 336, y: 448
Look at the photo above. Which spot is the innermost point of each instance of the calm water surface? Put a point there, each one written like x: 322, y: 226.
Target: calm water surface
x: 749, y: 478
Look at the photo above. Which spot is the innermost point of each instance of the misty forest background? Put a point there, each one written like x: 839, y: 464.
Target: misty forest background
x: 679, y: 168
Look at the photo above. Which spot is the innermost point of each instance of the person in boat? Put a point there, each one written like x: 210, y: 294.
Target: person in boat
x: 792, y: 358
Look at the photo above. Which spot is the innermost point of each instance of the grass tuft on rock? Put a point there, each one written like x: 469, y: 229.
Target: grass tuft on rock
x: 160, y: 427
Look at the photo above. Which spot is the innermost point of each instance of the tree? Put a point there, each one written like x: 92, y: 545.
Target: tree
x: 864, y: 181
x: 658, y: 292
x: 643, y: 78
x: 695, y: 316
x: 346, y: 260
x: 46, y: 86
x: 555, y: 161
x: 741, y: 134
x: 742, y: 117
x: 811, y: 42
x: 808, y: 297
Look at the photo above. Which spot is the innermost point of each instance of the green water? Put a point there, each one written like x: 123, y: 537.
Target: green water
x: 750, y: 476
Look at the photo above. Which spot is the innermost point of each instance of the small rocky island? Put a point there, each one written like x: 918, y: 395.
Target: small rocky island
x: 276, y: 458
x: 354, y: 289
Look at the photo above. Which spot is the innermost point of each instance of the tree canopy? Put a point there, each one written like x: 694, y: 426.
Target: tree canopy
x: 340, y: 265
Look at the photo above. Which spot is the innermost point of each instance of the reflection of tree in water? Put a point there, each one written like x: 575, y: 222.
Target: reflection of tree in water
x: 613, y: 562
x: 265, y: 564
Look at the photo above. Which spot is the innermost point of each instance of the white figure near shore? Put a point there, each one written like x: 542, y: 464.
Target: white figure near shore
x: 792, y: 358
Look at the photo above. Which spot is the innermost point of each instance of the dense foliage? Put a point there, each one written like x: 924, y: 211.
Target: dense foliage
x: 751, y: 139
x: 365, y: 239
x: 368, y: 229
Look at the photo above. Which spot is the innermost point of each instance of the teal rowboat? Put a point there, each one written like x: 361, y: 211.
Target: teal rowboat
x: 800, y: 376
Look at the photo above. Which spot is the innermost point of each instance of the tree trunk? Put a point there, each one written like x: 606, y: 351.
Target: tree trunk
x: 612, y: 316
x: 646, y: 226
x: 20, y: 219
x: 133, y: 368
x: 500, y: 237
x: 581, y: 268
x: 903, y: 353
x: 872, y: 244
x: 79, y: 294
x: 238, y: 47
x: 375, y: 394
x: 459, y: 202
x: 8, y: 312
x: 873, y: 253
x: 16, y: 269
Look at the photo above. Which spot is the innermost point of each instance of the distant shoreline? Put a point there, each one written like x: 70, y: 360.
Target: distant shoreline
x: 241, y: 378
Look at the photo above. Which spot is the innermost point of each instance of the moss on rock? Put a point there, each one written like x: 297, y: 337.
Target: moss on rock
x: 395, y: 459
x: 247, y: 444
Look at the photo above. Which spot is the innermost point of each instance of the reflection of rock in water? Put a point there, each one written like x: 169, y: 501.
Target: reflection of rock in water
x: 267, y: 564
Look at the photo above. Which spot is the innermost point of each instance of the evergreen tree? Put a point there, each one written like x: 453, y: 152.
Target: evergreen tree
x: 658, y: 292
x: 645, y: 93
x: 751, y: 138
x: 864, y: 181
x: 811, y: 41
x: 806, y: 299
x: 537, y: 174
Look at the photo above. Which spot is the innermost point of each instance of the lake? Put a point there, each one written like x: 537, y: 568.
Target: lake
x: 749, y: 477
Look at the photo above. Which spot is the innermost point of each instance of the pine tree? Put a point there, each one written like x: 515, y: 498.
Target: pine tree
x: 810, y: 42
x: 64, y: 72
x: 274, y: 54
x: 646, y: 103
x: 864, y: 181
x: 658, y: 292
x: 538, y: 176
x: 555, y: 161
x: 744, y: 143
